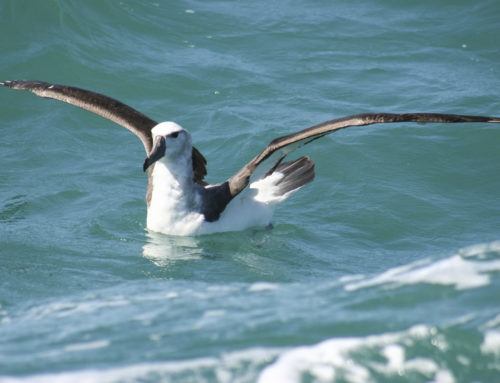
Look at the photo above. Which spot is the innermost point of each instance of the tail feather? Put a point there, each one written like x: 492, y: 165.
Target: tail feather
x: 296, y: 174
x: 284, y: 179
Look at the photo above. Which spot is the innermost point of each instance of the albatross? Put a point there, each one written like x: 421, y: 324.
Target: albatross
x: 179, y: 201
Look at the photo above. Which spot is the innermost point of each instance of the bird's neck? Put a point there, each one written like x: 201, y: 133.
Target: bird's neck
x: 173, y: 180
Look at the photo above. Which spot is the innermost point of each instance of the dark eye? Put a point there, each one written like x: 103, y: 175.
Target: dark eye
x: 174, y: 134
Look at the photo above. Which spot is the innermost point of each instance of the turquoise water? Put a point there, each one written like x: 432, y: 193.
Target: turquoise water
x: 385, y: 269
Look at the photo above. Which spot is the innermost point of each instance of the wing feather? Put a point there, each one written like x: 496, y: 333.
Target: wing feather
x: 281, y: 146
x: 106, y: 107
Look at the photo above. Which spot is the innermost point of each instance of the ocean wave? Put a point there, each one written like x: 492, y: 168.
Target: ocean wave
x: 345, y: 359
x: 469, y: 268
x: 421, y: 353
x: 239, y: 366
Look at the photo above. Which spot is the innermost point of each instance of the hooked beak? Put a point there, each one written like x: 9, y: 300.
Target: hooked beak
x: 158, y: 151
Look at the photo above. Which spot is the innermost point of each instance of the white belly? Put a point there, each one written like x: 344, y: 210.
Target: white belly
x: 174, y: 209
x: 241, y: 213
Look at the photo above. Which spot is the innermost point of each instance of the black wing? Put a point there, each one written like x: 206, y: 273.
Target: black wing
x: 106, y: 107
x: 280, y: 147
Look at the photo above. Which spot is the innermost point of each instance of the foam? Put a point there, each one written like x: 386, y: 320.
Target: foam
x: 468, y: 269
x: 491, y: 343
x: 119, y: 374
x: 262, y: 286
x: 333, y: 359
x: 241, y: 366
x: 349, y: 359
x: 87, y: 346
x: 66, y: 309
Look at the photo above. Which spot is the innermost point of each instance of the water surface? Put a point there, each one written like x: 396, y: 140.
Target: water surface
x: 385, y: 268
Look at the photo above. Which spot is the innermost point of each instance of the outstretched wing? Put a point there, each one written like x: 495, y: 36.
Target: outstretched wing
x: 280, y: 147
x: 106, y: 107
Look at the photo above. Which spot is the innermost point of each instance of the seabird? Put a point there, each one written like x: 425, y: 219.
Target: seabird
x: 179, y: 201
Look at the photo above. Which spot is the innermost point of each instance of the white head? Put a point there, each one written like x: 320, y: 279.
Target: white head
x: 170, y: 143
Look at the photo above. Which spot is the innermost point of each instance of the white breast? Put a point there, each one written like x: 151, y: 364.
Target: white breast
x: 173, y: 205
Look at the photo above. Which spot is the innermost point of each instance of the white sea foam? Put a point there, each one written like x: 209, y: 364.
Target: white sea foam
x: 491, y: 343
x: 495, y: 322
x: 262, y: 286
x: 131, y: 373
x: 239, y: 366
x: 470, y: 268
x: 67, y: 308
x: 87, y: 346
x: 482, y: 250
x: 333, y: 359
x: 350, y: 359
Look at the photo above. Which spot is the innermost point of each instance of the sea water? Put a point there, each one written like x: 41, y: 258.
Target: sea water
x: 385, y: 269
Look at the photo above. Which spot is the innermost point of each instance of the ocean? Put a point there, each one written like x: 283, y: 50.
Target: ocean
x: 386, y: 268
